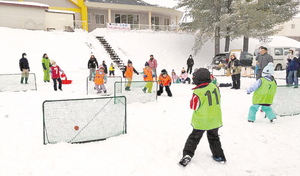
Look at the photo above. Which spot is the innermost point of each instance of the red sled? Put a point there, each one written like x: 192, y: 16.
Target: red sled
x: 65, y: 81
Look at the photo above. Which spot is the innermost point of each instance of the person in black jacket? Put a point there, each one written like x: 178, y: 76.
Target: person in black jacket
x: 235, y: 66
x: 24, y: 67
x: 190, y: 63
x: 105, y: 67
x: 92, y: 64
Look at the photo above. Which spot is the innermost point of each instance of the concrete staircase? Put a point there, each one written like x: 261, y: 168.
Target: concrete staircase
x: 113, y: 55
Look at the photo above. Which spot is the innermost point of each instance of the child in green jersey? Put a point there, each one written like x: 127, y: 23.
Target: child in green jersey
x: 264, y: 91
x: 207, y: 116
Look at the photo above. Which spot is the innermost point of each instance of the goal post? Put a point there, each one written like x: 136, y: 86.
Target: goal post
x: 12, y: 82
x: 136, y: 93
x: 84, y: 120
x: 285, y: 101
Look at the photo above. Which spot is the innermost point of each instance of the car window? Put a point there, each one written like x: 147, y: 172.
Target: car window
x: 278, y: 51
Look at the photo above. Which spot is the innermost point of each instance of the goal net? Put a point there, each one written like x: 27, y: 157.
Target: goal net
x: 285, y: 101
x: 136, y: 94
x: 12, y: 82
x: 83, y: 120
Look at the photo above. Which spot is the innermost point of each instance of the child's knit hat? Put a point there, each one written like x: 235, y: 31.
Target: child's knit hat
x: 201, y: 76
x: 268, y: 70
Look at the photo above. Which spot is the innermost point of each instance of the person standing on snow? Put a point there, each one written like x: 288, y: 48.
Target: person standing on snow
x: 263, y: 59
x: 293, y: 66
x: 46, y: 67
x: 128, y: 73
x: 100, y: 79
x: 234, y: 66
x: 164, y: 80
x: 148, y: 77
x: 153, y: 65
x: 111, y: 70
x: 24, y: 67
x: 190, y: 63
x: 105, y: 67
x: 92, y: 65
x: 207, y: 116
x: 55, y: 75
x: 264, y: 91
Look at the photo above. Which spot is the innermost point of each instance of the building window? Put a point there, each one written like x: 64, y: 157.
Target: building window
x: 155, y: 20
x: 293, y: 26
x: 136, y: 19
x: 117, y: 18
x: 123, y: 18
x: 89, y: 18
x: 99, y: 19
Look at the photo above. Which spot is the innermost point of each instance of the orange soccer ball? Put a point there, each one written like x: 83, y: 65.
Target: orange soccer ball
x: 76, y: 128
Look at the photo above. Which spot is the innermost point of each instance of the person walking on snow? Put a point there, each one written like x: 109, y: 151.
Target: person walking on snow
x: 46, y: 67
x: 128, y: 73
x: 153, y: 65
x: 92, y: 65
x: 24, y: 67
x: 190, y: 63
x: 164, y: 80
x: 207, y: 116
x: 264, y: 91
x: 100, y: 79
x: 148, y: 77
x: 55, y: 75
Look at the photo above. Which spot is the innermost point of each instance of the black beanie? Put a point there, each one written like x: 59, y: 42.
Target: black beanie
x: 201, y: 76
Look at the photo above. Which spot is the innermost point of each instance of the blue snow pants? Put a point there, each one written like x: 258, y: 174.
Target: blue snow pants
x: 267, y: 109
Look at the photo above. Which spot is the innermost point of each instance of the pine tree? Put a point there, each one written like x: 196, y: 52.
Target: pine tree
x: 206, y: 21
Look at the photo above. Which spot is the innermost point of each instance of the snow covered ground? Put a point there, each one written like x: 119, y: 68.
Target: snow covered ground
x: 156, y: 132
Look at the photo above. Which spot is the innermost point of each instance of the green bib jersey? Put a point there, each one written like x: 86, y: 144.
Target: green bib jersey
x: 208, y: 116
x: 265, y: 93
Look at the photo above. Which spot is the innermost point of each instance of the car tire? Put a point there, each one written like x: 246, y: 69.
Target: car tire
x: 278, y: 67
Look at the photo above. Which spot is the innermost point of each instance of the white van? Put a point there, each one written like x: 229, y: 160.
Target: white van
x: 278, y: 53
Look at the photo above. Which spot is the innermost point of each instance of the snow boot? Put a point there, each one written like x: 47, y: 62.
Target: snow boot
x: 219, y: 159
x: 144, y: 89
x: 127, y: 88
x: 185, y: 160
x: 26, y: 80
x: 22, y: 80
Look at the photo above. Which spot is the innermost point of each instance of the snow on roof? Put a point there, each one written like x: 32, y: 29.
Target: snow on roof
x: 60, y: 11
x: 281, y: 41
x: 163, y: 3
x: 35, y: 4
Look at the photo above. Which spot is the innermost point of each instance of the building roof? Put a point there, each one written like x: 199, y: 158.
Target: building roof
x: 28, y: 4
x: 126, y: 2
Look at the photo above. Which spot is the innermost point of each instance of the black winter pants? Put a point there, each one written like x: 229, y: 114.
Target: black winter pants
x: 236, y: 81
x: 161, y: 90
x: 55, y: 83
x: 190, y: 68
x: 213, y: 139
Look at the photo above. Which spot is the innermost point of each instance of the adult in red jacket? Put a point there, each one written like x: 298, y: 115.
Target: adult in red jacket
x: 164, y: 80
x: 55, y: 75
x: 153, y: 65
x: 128, y: 73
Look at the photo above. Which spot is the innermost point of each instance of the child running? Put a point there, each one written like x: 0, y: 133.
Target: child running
x: 148, y: 77
x: 264, y: 91
x: 100, y: 79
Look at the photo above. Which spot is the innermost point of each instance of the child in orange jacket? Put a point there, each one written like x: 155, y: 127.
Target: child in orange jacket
x: 148, y: 77
x: 164, y: 80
